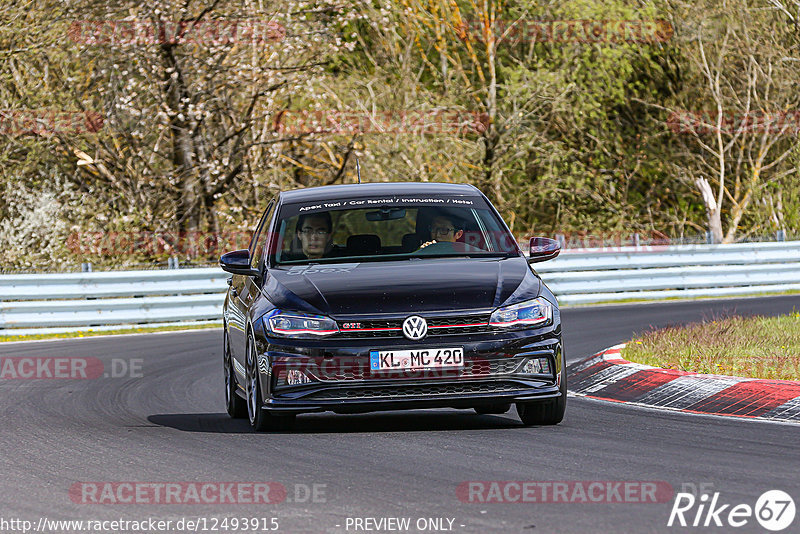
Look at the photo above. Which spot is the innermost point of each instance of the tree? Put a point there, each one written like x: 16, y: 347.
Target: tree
x: 187, y: 96
x: 739, y: 141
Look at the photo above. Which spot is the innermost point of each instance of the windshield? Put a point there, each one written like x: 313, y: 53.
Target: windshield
x: 375, y: 229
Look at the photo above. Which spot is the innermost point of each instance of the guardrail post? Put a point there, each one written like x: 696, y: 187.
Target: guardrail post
x: 173, y: 263
x: 709, y: 237
x: 86, y: 267
x: 780, y: 235
x: 636, y: 240
x: 562, y: 241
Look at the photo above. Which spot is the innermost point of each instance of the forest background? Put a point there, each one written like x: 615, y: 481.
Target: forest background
x: 131, y: 133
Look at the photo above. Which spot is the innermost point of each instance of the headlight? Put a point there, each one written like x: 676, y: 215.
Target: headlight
x: 290, y: 324
x: 528, y: 313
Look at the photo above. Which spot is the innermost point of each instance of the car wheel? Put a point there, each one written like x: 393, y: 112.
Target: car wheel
x: 549, y: 412
x: 492, y: 409
x: 235, y: 404
x: 260, y: 419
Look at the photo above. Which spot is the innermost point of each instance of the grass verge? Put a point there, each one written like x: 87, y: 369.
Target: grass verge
x: 753, y: 347
x: 90, y: 333
x: 678, y: 299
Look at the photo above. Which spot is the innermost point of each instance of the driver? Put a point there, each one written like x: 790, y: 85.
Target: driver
x: 444, y: 229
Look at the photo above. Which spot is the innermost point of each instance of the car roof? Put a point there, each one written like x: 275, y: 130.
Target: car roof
x: 329, y: 192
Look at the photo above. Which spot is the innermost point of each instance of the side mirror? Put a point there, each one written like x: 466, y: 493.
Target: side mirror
x: 238, y: 262
x: 543, y: 249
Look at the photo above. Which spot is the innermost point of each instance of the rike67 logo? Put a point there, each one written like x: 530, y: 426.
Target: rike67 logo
x: 774, y: 510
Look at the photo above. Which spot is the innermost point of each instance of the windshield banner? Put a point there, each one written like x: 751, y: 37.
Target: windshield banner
x: 406, y: 201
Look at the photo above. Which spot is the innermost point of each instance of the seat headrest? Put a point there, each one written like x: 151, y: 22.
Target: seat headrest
x: 363, y: 244
x: 411, y: 242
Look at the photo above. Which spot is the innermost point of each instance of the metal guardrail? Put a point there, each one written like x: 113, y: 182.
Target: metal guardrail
x: 661, y: 272
x: 41, y: 303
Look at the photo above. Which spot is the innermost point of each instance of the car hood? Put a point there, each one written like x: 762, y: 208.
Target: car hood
x: 399, y: 287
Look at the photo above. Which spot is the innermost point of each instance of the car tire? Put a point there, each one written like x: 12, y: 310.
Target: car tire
x: 550, y: 412
x: 492, y: 409
x: 260, y: 419
x: 235, y: 405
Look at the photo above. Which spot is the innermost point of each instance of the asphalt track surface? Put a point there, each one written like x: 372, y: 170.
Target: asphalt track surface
x: 169, y: 425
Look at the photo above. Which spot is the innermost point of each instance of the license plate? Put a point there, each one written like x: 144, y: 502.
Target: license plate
x: 416, y: 358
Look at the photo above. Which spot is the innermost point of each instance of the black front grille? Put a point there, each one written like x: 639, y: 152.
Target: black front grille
x: 407, y: 391
x: 437, y: 326
x: 359, y: 370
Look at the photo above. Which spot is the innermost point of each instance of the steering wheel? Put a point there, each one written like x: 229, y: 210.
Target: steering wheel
x: 435, y: 248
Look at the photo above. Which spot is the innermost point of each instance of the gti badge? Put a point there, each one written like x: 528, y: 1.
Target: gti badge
x: 415, y: 327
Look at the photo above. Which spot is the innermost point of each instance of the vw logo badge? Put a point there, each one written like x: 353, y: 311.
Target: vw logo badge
x: 415, y: 327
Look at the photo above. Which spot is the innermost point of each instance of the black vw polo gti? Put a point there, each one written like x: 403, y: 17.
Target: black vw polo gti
x: 388, y: 296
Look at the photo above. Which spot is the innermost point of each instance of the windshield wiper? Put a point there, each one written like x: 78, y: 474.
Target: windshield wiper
x: 395, y: 257
x: 466, y: 255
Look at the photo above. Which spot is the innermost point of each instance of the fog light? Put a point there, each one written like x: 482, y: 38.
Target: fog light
x: 291, y: 377
x: 295, y: 377
x: 537, y: 366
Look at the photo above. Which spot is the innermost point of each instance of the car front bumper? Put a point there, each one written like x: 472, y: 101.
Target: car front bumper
x: 340, y: 379
x: 400, y: 399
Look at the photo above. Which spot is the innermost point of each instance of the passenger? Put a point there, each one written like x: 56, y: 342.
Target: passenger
x: 314, y: 231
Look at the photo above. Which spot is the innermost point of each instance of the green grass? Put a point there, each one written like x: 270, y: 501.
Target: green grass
x: 673, y: 299
x: 753, y: 347
x: 90, y: 333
